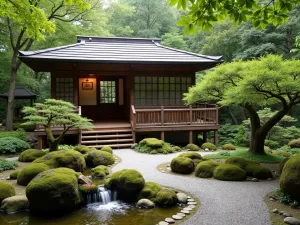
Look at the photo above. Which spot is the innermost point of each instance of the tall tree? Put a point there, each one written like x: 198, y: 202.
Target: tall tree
x: 29, y: 20
x: 267, y: 81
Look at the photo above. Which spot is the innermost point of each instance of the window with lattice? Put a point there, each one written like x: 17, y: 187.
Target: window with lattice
x: 107, y: 91
x: 64, y: 89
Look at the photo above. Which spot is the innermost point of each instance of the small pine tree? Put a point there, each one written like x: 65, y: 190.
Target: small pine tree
x: 55, y: 112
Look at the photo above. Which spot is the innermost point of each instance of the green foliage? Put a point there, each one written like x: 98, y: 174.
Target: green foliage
x: 229, y: 172
x: 281, y: 153
x: 151, y: 142
x: 192, y: 147
x: 174, y: 40
x: 286, y: 199
x: 209, y: 146
x: 107, y: 149
x: 241, y: 138
x: 240, y: 162
x: 100, y: 171
x: 30, y: 171
x: 20, y: 133
x: 149, y: 191
x: 14, y: 175
x: 176, y: 149
x: 206, y: 169
x: 182, y: 165
x: 30, y: 155
x: 96, y: 158
x: 228, y: 147
x: 12, y: 145
x: 259, y: 172
x: 227, y: 133
x: 294, y: 143
x: 6, y: 190
x: 272, y: 144
x: 166, y: 197
x: 7, y: 165
x: 88, y: 188
x: 154, y: 146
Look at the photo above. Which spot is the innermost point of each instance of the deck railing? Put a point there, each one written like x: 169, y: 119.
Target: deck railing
x: 174, y: 115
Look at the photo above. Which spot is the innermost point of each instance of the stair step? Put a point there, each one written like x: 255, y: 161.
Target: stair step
x: 106, y: 141
x: 106, y: 136
x: 105, y: 131
x: 112, y: 146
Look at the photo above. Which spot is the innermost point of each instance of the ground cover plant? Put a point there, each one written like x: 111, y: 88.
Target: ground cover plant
x: 12, y: 145
x: 155, y: 146
x: 7, y: 165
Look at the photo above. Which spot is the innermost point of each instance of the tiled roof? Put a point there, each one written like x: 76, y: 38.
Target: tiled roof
x: 20, y: 93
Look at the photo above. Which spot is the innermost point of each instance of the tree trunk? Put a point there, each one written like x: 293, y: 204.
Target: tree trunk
x: 53, y: 145
x: 53, y: 142
x: 257, y: 143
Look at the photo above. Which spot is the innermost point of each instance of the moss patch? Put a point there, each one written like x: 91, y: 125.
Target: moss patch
x: 228, y: 147
x: 166, y: 197
x: 30, y: 155
x: 14, y: 174
x: 155, y: 146
x: 30, y: 171
x: 192, y: 147
x: 182, y: 165
x: 6, y: 190
x: 97, y: 158
x: 107, y: 149
x: 100, y: 171
x: 83, y: 149
x: 206, y: 169
x: 209, y: 146
x: 229, y: 172
x: 149, y: 191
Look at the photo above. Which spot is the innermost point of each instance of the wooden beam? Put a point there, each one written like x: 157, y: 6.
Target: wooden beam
x: 190, y: 136
x: 162, y: 136
x: 216, y: 137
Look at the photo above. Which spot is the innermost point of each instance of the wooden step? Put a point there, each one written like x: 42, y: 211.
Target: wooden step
x: 105, y: 131
x: 107, y: 141
x: 107, y: 136
x: 112, y: 146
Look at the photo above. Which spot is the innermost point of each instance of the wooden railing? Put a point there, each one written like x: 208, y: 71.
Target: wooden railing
x: 174, y: 115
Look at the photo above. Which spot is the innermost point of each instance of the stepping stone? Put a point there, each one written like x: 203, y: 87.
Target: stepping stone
x: 169, y: 220
x: 275, y: 211
x: 190, y: 200
x: 188, y: 196
x: 286, y: 214
x: 192, y: 203
x: 188, y: 209
x: 185, y: 211
x: 163, y: 223
x: 177, y: 217
x: 180, y: 214
x: 192, y: 206
x: 292, y: 221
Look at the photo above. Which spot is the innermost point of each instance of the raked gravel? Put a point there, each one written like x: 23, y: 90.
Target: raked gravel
x: 222, y: 202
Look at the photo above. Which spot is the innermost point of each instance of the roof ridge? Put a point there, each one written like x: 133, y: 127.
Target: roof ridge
x: 27, y: 53
x: 190, y: 53
x: 82, y: 37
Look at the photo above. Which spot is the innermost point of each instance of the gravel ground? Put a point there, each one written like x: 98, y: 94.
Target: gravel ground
x: 222, y: 202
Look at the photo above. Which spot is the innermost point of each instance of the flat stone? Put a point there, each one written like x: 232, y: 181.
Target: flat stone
x: 271, y: 199
x: 163, y: 223
x: 180, y: 214
x: 254, y: 179
x: 170, y: 220
x: 188, y: 208
x: 84, y: 180
x: 286, y: 214
x: 281, y: 212
x: 185, y: 211
x: 292, y: 221
x: 269, y: 179
x: 182, y: 197
x: 192, y: 203
x: 275, y: 210
x: 189, y: 197
x: 176, y: 217
x: 145, y: 204
x: 168, y: 168
x: 190, y: 200
x: 192, y: 206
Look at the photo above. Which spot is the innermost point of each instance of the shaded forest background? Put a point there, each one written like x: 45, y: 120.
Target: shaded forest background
x: 156, y: 18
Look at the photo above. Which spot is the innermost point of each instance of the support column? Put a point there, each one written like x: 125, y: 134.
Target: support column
x: 204, y: 137
x: 162, y: 135
x: 216, y: 137
x: 40, y: 142
x: 191, y: 136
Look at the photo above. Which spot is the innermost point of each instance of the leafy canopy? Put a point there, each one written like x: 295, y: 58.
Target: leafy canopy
x: 203, y: 13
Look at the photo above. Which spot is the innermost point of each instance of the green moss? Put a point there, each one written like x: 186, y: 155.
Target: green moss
x: 14, y: 175
x: 151, y: 142
x: 88, y: 188
x: 30, y: 171
x: 83, y: 149
x: 228, y: 147
x: 282, y: 163
x: 259, y: 172
x: 209, y: 146
x: 100, y: 171
x: 153, y: 152
x: 107, y: 149
x: 6, y: 190
x: 229, y: 172
x: 192, y: 147
x: 30, y: 155
x: 154, y: 146
x: 54, y: 191
x: 96, y: 158
x: 281, y: 153
x: 240, y: 162
x: 14, y: 204
x: 126, y: 180
x: 149, y: 191
x: 191, y: 155
x: 166, y: 197
x: 182, y: 165
x: 63, y: 158
x: 206, y: 169
x: 290, y: 177
x: 294, y: 143
x: 176, y: 148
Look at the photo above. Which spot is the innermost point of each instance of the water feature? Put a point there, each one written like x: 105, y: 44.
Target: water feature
x: 102, y: 196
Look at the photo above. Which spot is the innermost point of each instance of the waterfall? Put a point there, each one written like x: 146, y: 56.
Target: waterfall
x: 102, y: 196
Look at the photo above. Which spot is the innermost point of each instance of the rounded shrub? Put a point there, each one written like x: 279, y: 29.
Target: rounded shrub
x: 12, y: 145
x: 282, y: 163
x: 100, y: 171
x: 6, y: 190
x: 30, y: 171
x: 240, y: 162
x: 182, y: 165
x: 228, y: 147
x: 149, y: 191
x: 14, y: 175
x: 151, y: 142
x: 294, y: 143
x: 192, y: 147
x: 206, y: 169
x: 208, y: 146
x: 229, y: 172
x: 272, y: 144
x: 54, y: 191
x: 97, y: 158
x: 126, y: 180
x: 107, y: 149
x: 176, y: 149
x: 30, y: 155
x: 63, y: 158
x: 259, y: 172
x: 166, y: 197
x: 83, y: 149
x: 191, y: 155
x: 290, y: 177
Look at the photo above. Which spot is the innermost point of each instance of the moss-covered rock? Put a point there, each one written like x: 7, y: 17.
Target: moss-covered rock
x: 176, y: 148
x: 100, y: 171
x: 240, y: 162
x: 30, y: 155
x: 294, y: 143
x: 191, y: 155
x: 209, y: 146
x: 14, y: 204
x: 259, y: 172
x: 30, y: 171
x: 192, y: 147
x: 88, y: 188
x: 229, y: 172
x: 107, y: 149
x: 182, y: 165
x: 126, y: 180
x: 281, y: 153
x: 166, y: 197
x: 54, y: 191
x: 149, y: 191
x: 282, y: 163
x: 151, y: 142
x: 6, y: 190
x: 83, y: 149
x: 14, y: 174
x: 206, y: 169
x: 228, y: 147
x: 290, y: 178
x: 154, y: 146
x: 97, y: 158
x: 63, y: 158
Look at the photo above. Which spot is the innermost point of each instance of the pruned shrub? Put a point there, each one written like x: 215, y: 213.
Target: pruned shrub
x: 294, y: 143
x: 154, y: 146
x: 20, y: 133
x: 30, y: 155
x: 12, y: 145
x: 192, y: 147
x: 272, y: 144
x: 240, y: 162
x: 229, y: 172
x: 191, y: 155
x: 259, y: 172
x: 206, y: 169
x: 228, y: 147
x: 176, y: 148
x: 182, y: 165
x: 209, y: 146
x: 7, y: 165
x: 149, y: 191
x: 107, y: 149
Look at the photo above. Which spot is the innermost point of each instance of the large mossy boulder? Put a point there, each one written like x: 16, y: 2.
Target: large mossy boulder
x: 6, y: 190
x: 127, y: 181
x: 154, y: 146
x: 166, y: 197
x: 228, y: 147
x: 107, y: 149
x: 149, y: 191
x: 63, y: 158
x: 29, y: 172
x: 83, y: 149
x: 100, y: 171
x: 30, y: 155
x: 290, y: 178
x: 229, y: 172
x: 240, y: 162
x: 182, y: 165
x: 209, y: 146
x: 259, y: 172
x: 191, y: 155
x: 206, y: 169
x: 151, y: 142
x: 14, y: 204
x: 54, y: 191
x: 192, y: 147
x: 97, y: 158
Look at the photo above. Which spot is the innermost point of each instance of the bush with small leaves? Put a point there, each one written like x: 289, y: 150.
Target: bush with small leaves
x: 192, y: 147
x: 7, y: 164
x: 228, y: 147
x: 272, y: 144
x: 12, y: 145
x: 229, y: 172
x: 294, y: 143
x: 209, y: 146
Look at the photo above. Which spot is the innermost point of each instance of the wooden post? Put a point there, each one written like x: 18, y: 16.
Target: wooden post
x: 134, y: 136
x: 217, y: 115
x: 191, y: 136
x: 204, y: 137
x: 162, y: 116
x: 162, y: 135
x: 191, y: 116
x: 40, y: 142
x: 216, y: 137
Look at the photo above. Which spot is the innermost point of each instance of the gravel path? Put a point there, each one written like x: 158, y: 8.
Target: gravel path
x: 222, y: 202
